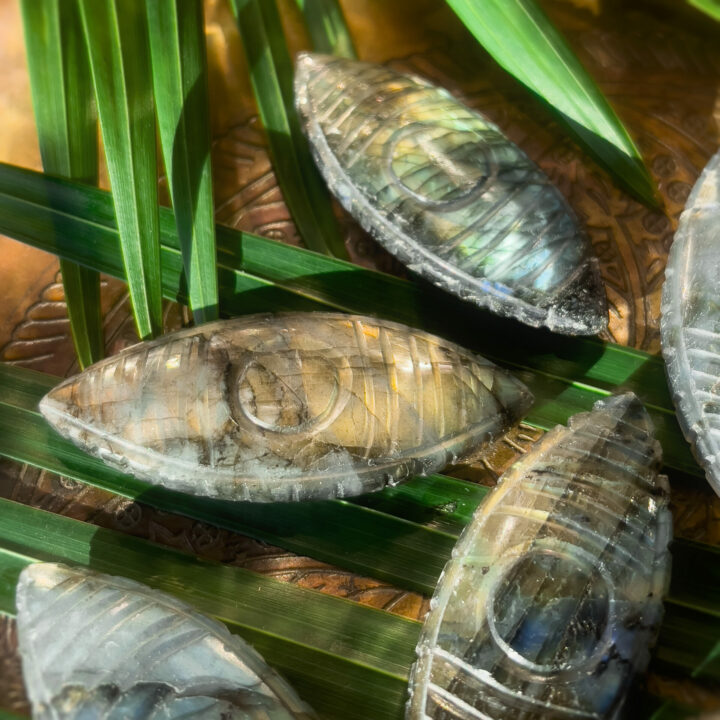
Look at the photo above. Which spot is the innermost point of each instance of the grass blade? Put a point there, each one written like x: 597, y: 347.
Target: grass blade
x: 709, y: 7
x: 117, y: 39
x: 82, y: 296
x: 403, y: 534
x: 327, y: 27
x: 271, y: 73
x: 567, y: 375
x: 301, y: 632
x: 521, y: 38
x: 66, y: 121
x: 179, y: 66
x: 669, y: 711
x: 7, y: 715
x: 346, y: 660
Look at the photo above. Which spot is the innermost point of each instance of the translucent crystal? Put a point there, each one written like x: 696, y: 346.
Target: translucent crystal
x: 690, y: 324
x: 553, y: 595
x: 95, y: 646
x: 286, y: 407
x: 445, y: 191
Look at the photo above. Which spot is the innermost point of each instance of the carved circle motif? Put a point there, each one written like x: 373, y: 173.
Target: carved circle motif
x: 273, y: 391
x: 663, y: 81
x: 527, y: 579
x: 418, y: 146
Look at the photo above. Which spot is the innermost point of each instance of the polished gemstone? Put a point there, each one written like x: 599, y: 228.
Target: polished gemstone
x: 553, y: 595
x: 95, y: 646
x: 690, y: 324
x: 286, y: 407
x: 445, y: 191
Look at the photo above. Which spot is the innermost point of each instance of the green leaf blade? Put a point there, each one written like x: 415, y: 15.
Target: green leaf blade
x: 179, y: 66
x: 271, y: 73
x: 521, y: 38
x: 82, y: 296
x: 709, y: 7
x: 117, y: 39
x: 66, y: 120
x: 344, y: 659
x: 328, y: 29
x: 402, y: 534
x: 567, y: 375
x: 7, y: 715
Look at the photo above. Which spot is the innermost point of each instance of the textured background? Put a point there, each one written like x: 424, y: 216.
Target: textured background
x: 661, y: 71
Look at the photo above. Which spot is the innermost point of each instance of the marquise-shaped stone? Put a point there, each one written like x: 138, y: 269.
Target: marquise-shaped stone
x: 445, y: 191
x: 286, y: 407
x: 95, y: 646
x: 690, y: 323
x: 553, y: 595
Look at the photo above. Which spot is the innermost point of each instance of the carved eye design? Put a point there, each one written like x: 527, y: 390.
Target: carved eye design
x: 554, y: 591
x: 421, y: 165
x: 290, y: 392
x: 441, y: 188
x: 301, y: 405
x: 559, y: 627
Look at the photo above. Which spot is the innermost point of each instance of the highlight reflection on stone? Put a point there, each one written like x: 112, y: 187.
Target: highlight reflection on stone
x: 286, y: 407
x: 553, y: 595
x: 690, y: 324
x: 97, y: 646
x: 445, y: 191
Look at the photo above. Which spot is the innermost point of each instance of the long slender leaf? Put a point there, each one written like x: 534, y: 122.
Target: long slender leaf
x: 179, y: 66
x: 567, y: 375
x: 709, y: 7
x: 670, y: 711
x: 393, y: 534
x: 365, y: 540
x: 346, y: 660
x: 7, y: 715
x: 117, y: 39
x: 328, y: 30
x: 66, y: 121
x: 271, y: 73
x: 334, y: 651
x: 521, y: 38
x: 82, y: 296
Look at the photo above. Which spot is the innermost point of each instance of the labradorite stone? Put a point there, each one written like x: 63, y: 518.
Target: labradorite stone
x: 96, y: 646
x: 443, y: 189
x: 553, y: 596
x: 690, y: 324
x: 292, y: 406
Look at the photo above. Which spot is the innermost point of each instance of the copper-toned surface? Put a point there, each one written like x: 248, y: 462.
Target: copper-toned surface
x: 661, y: 74
x: 12, y: 690
x: 53, y: 493
x: 493, y: 460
